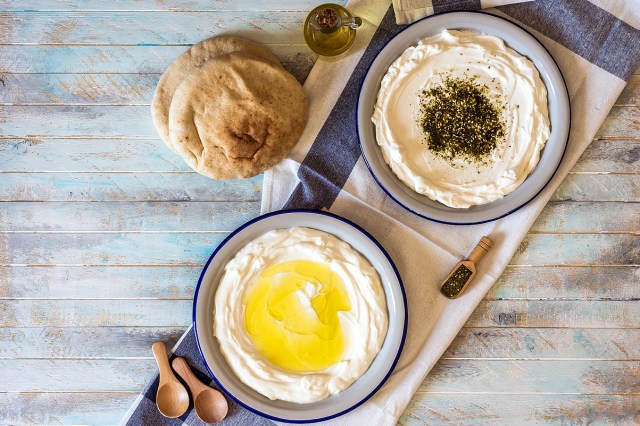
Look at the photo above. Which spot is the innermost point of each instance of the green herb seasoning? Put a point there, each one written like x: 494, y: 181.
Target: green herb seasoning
x: 456, y: 281
x: 460, y: 121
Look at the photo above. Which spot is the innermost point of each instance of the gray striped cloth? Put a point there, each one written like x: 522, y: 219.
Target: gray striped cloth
x: 597, y: 46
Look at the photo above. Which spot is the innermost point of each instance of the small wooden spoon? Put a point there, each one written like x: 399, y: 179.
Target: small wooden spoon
x: 172, y: 398
x: 211, y: 406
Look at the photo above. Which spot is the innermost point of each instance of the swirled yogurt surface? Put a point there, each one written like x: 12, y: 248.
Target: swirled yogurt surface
x: 299, y: 314
x: 512, y: 83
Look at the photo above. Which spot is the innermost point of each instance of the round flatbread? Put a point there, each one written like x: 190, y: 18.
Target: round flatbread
x: 193, y: 58
x: 236, y: 116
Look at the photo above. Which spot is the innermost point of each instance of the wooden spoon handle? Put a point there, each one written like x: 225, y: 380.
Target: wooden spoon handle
x: 160, y: 354
x: 182, y: 368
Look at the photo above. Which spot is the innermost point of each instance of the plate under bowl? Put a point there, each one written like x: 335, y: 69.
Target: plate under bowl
x: 361, y: 389
x: 559, y: 114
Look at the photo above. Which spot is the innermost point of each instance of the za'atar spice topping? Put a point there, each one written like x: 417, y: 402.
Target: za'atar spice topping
x: 456, y: 281
x: 460, y: 121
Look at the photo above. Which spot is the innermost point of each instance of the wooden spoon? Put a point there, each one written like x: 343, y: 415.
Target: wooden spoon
x: 172, y: 398
x: 211, y: 406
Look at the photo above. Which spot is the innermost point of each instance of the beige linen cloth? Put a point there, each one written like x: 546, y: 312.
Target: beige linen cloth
x: 425, y: 251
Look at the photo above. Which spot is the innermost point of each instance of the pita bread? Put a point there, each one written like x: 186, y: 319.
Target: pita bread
x: 236, y: 116
x: 192, y: 59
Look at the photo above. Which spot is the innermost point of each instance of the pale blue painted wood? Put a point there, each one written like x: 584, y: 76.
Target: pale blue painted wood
x: 150, y: 28
x: 190, y: 216
x: 194, y: 248
x: 177, y: 313
x: 178, y: 282
x: 432, y: 409
x: 118, y: 59
x: 525, y: 410
x: 478, y: 343
x: 136, y: 216
x: 125, y: 187
x: 29, y: 154
x: 194, y: 187
x: 151, y: 5
x: 138, y: 88
x: 496, y: 376
x: 504, y: 329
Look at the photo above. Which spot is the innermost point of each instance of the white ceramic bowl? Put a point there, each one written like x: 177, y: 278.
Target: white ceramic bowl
x: 559, y: 114
x: 361, y: 389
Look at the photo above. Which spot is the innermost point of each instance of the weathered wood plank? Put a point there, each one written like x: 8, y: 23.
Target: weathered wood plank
x: 26, y: 375
x: 156, y: 5
x: 631, y: 93
x: 124, y: 59
x: 96, y: 408
x: 178, y: 282
x: 611, y: 249
x: 618, y: 156
x: 105, y: 121
x: 127, y: 216
x: 522, y: 410
x: 71, y: 342
x: 497, y: 376
x: 109, y: 249
x: 109, y: 89
x: 514, y: 343
x: 177, y: 313
x: 588, y: 217
x: 95, y: 282
x: 190, y: 248
x: 95, y: 313
x: 462, y: 409
x: 38, y: 154
x: 556, y: 314
x: 149, y: 27
x: 194, y: 187
x: 125, y: 187
x: 622, y: 122
x: 557, y: 217
x: 599, y: 187
x: 493, y: 376
x: 541, y: 343
x: 125, y: 89
x: 586, y: 282
x: 55, y: 342
x: 88, y: 155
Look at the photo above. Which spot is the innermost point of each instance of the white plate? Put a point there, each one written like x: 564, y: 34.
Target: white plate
x: 361, y: 389
x: 559, y: 114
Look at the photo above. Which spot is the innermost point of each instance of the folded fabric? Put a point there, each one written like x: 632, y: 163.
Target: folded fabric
x: 408, y: 11
x: 325, y: 170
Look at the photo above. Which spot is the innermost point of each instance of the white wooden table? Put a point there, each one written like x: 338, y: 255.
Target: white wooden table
x: 103, y: 232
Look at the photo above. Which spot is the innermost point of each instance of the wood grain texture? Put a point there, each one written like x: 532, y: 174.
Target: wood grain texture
x: 554, y: 341
x: 450, y: 375
x: 213, y: 216
x: 485, y: 409
x: 471, y: 343
x: 74, y: 59
x: 482, y: 409
x: 84, y: 121
x: 195, y: 248
x: 118, y: 155
x: 177, y: 313
x: 156, y: 5
x: 178, y: 282
x: 132, y: 27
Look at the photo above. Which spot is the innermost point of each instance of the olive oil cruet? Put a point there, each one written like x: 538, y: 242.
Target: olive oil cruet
x: 330, y: 29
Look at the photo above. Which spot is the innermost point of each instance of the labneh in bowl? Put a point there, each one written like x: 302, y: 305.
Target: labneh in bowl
x: 518, y: 39
x: 365, y: 386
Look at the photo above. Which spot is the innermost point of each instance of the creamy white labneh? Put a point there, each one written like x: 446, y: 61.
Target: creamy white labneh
x: 514, y: 85
x: 354, y: 285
